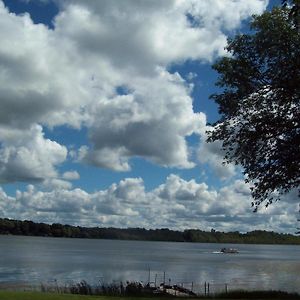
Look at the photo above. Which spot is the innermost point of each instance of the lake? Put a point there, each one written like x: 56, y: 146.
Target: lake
x: 35, y: 260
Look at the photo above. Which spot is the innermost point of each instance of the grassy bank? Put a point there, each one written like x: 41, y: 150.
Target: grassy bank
x: 241, y: 295
x: 8, y: 295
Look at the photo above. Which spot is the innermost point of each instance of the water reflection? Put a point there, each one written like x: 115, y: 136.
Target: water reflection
x: 34, y: 259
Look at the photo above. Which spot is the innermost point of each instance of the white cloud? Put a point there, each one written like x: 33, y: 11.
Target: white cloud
x: 111, y: 158
x: 69, y: 75
x: 213, y: 155
x: 142, y: 35
x: 28, y: 156
x: 226, y: 14
x: 37, y: 77
x: 177, y: 204
x: 150, y: 125
x: 130, y: 190
x: 55, y: 183
x: 71, y: 175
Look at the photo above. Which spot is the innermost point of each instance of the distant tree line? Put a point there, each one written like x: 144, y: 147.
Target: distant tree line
x: 29, y: 228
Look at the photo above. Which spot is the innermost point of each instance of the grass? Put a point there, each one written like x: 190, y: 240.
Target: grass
x: 11, y: 295
x: 17, y: 295
x: 8, y: 295
x: 270, y: 295
x: 239, y: 295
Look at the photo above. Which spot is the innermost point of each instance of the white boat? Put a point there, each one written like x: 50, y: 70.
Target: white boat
x: 229, y: 250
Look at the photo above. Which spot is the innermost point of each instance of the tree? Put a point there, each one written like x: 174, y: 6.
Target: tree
x: 259, y: 104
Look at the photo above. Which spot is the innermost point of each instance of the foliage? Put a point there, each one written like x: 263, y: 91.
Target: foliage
x: 30, y: 228
x: 130, y: 289
x: 294, y: 13
x: 259, y: 104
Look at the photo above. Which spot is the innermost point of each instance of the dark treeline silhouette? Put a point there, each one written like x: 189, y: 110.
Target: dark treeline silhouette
x: 29, y: 228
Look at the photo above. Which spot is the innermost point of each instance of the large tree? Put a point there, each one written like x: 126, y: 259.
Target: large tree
x: 259, y: 103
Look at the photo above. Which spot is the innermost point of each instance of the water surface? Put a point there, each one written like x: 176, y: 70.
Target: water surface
x: 34, y: 260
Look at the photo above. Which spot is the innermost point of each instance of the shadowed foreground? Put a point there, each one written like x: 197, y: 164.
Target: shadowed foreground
x: 261, y: 295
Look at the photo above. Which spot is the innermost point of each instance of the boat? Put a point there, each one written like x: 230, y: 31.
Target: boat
x: 229, y: 250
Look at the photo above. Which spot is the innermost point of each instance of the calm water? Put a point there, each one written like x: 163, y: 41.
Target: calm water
x: 36, y: 260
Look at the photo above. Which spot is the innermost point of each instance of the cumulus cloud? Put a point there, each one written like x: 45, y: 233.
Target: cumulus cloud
x: 177, y: 204
x: 56, y: 183
x: 28, y: 156
x: 70, y: 74
x: 37, y: 85
x: 213, y: 155
x: 71, y: 175
x: 150, y: 125
x: 142, y: 35
x: 105, y: 66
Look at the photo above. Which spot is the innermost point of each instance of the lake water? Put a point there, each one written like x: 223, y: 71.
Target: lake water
x: 35, y: 260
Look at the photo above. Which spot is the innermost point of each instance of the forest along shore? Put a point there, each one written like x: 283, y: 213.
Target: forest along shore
x: 29, y: 228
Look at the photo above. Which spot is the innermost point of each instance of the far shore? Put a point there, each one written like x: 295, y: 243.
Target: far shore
x: 29, y: 228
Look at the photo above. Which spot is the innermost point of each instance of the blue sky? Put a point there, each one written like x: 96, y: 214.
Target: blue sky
x: 105, y: 108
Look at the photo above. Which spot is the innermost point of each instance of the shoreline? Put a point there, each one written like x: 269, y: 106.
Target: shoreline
x: 30, y: 228
x: 140, y: 290
x: 168, y: 241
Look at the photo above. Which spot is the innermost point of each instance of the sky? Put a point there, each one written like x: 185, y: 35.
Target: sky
x: 104, y: 109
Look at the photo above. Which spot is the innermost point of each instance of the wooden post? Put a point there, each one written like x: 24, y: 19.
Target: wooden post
x: 155, y: 280
x: 226, y: 290
x: 164, y: 277
x: 205, y: 288
x: 56, y: 287
x: 208, y: 288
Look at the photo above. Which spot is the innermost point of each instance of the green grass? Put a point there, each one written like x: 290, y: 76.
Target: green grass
x: 8, y: 295
x: 12, y: 295
x: 270, y: 295
x: 239, y: 295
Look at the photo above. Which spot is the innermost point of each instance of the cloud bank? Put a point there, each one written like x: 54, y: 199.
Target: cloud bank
x: 176, y: 204
x: 104, y: 66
